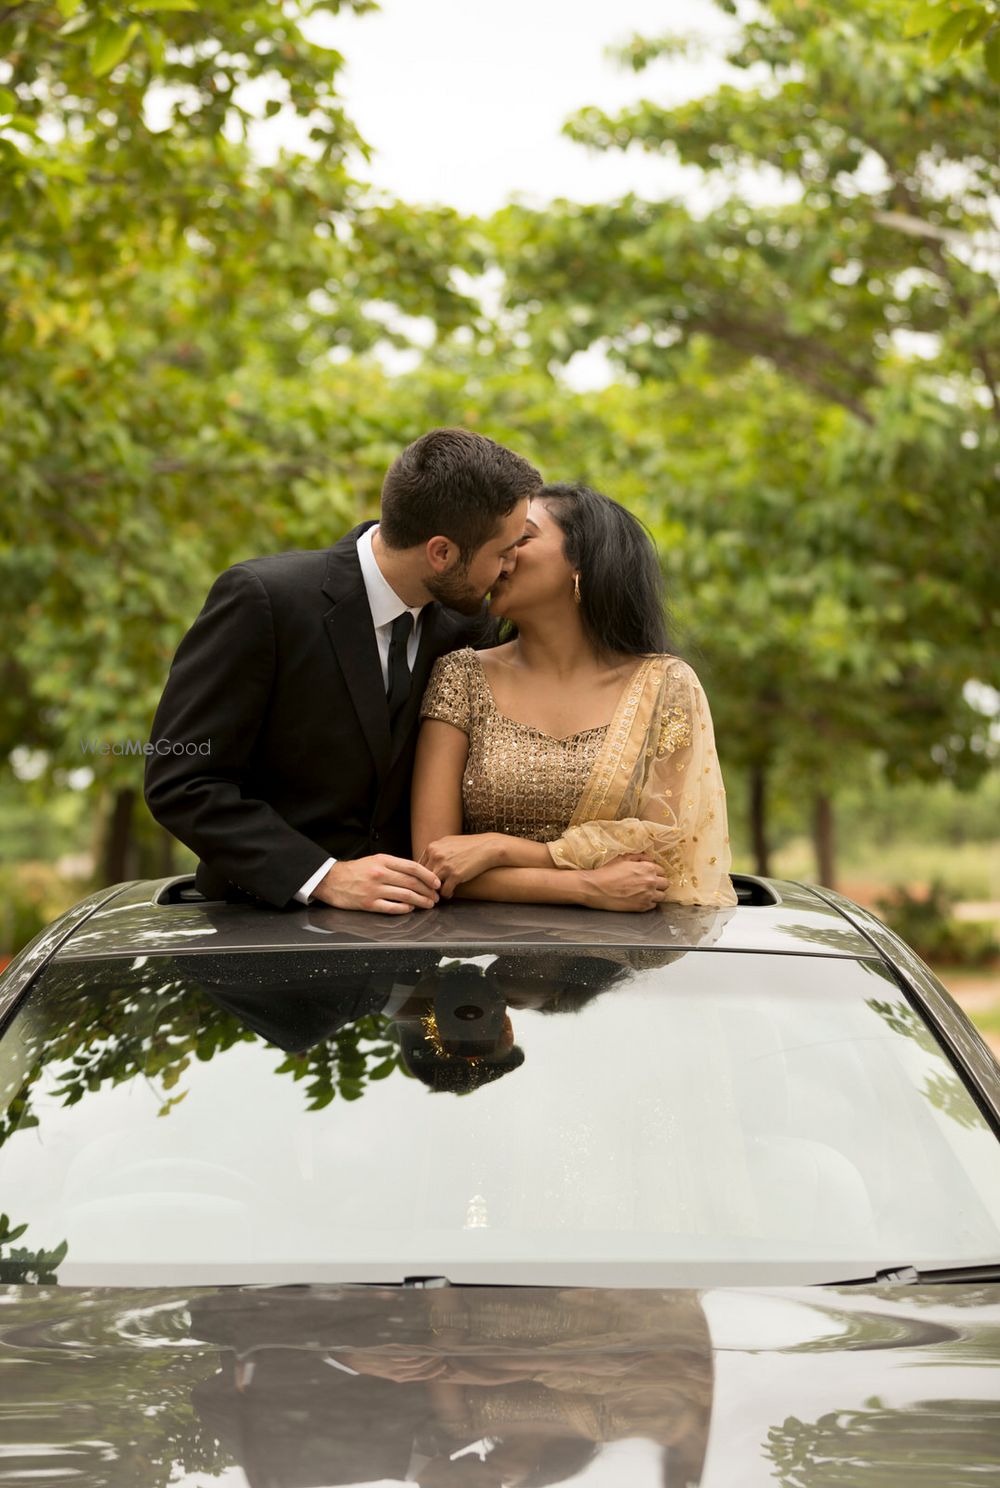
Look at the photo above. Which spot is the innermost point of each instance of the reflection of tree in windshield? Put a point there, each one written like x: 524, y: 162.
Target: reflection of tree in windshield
x: 86, y: 1031
x: 934, y: 1444
x: 945, y: 1091
x: 341, y: 1024
x: 92, y: 1036
x: 343, y: 1064
x: 93, y: 1030
x: 843, y: 938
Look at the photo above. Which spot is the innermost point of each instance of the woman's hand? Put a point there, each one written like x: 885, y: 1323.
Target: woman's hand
x: 634, y: 881
x: 455, y: 860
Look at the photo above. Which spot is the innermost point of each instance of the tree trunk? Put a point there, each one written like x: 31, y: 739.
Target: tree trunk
x: 118, y: 859
x: 823, y: 840
x: 758, y: 820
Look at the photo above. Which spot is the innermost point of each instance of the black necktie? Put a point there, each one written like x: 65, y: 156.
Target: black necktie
x: 399, y: 671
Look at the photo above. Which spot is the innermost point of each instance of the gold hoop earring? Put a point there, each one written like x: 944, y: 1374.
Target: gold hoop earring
x: 576, y: 588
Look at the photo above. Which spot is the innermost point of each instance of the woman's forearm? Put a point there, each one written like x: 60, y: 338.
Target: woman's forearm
x: 521, y: 852
x: 529, y: 885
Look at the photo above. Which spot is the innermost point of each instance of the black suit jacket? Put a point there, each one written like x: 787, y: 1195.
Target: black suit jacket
x: 271, y: 741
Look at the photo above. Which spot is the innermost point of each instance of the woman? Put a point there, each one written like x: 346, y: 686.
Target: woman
x: 576, y: 763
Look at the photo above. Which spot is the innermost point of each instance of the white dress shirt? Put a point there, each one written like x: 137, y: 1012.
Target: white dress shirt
x: 385, y: 605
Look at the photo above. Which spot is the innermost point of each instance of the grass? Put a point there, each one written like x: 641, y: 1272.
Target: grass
x: 971, y: 870
x: 987, y: 1020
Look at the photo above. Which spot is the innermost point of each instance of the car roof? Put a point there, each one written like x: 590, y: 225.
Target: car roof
x: 167, y: 916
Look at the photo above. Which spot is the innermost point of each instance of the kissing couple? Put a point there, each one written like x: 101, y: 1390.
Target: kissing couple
x: 374, y: 745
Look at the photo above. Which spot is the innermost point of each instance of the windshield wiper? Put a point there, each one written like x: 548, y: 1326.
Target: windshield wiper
x: 910, y: 1276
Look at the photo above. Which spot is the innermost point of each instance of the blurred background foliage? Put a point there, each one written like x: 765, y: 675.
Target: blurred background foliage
x: 200, y: 361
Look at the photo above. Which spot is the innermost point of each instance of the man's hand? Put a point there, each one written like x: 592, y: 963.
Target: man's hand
x: 398, y: 1365
x: 382, y: 884
x: 454, y: 860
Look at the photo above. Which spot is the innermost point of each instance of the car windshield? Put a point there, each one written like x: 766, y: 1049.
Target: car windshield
x: 603, y: 1117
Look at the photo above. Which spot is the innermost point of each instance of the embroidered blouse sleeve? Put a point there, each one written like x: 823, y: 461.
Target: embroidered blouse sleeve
x: 448, y: 696
x: 681, y: 818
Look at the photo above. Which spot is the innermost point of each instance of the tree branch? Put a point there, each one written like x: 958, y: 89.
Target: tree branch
x: 800, y: 355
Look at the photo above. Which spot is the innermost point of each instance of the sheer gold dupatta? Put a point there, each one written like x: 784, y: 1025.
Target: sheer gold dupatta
x: 656, y: 787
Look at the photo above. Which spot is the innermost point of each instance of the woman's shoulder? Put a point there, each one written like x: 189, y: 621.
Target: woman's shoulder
x: 450, y: 692
x: 491, y: 656
x: 674, y: 669
x: 458, y: 665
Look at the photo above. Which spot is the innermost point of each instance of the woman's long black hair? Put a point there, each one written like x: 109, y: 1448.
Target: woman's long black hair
x: 622, y: 598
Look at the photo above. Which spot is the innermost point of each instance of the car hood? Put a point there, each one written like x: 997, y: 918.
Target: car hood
x: 310, y: 1386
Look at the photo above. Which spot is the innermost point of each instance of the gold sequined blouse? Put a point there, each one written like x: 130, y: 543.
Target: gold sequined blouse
x: 649, y: 781
x: 517, y: 779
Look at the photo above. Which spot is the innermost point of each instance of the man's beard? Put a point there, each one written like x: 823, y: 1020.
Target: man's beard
x: 454, y: 591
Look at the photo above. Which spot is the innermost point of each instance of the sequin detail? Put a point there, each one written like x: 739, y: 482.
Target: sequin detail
x: 675, y: 731
x: 518, y: 779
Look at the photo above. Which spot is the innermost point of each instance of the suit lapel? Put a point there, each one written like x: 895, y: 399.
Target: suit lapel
x: 352, y: 636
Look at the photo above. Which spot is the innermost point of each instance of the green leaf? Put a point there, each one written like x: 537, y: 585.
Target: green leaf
x: 168, y: 5
x: 8, y: 101
x: 155, y: 47
x: 67, y: 8
x: 78, y: 22
x: 924, y: 17
x: 948, y: 35
x: 977, y: 31
x: 991, y: 53
x: 111, y: 44
x: 22, y: 123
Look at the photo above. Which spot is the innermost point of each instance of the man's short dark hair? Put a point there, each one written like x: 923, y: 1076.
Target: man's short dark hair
x: 452, y: 483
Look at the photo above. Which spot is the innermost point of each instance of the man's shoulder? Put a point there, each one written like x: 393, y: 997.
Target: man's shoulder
x: 286, y: 574
x: 296, y: 564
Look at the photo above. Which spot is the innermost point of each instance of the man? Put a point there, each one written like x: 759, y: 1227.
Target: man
x: 283, y: 743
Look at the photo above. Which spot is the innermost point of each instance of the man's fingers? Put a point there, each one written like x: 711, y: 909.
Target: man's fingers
x: 399, y: 893
x: 406, y: 865
x: 405, y: 881
x: 387, y: 906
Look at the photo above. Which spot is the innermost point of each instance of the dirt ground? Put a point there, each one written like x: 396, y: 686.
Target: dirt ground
x: 978, y: 994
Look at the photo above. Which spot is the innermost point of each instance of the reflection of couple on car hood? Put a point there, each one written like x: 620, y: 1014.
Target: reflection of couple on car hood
x: 480, y: 1388
x: 573, y: 762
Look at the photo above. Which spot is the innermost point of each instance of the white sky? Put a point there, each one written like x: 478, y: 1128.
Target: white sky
x: 463, y: 102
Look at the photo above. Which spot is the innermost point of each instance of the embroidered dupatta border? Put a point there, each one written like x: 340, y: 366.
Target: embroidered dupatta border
x: 624, y: 742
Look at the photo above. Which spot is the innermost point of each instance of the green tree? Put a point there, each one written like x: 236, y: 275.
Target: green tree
x: 167, y: 302
x: 835, y: 355
x: 950, y: 24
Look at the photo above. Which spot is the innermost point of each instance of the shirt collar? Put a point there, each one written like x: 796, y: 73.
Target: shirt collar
x: 383, y: 601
